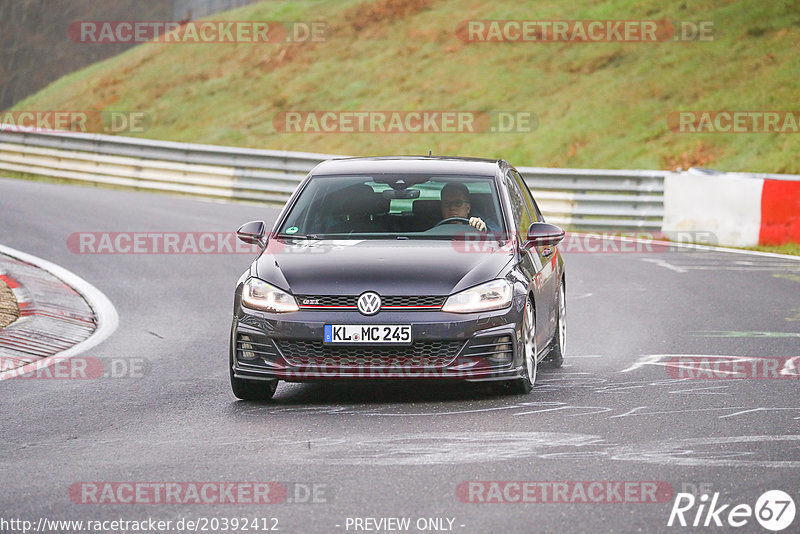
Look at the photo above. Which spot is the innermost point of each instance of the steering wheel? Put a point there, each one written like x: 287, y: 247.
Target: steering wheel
x: 462, y: 220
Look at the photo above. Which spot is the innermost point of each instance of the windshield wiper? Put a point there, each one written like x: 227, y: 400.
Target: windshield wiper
x: 299, y: 236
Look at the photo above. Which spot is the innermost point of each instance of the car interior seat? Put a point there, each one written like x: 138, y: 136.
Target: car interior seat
x: 355, y: 208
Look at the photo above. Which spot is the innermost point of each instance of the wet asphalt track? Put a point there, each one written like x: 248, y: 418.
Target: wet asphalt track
x: 396, y: 451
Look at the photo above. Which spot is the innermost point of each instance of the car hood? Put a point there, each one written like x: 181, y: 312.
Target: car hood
x: 389, y: 267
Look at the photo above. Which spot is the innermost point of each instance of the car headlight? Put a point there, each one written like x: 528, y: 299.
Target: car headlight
x: 259, y: 295
x: 492, y: 295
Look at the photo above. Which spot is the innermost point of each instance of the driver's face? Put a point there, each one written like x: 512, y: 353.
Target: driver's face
x: 455, y: 205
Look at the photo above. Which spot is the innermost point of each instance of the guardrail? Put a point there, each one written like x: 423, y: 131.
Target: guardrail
x: 591, y: 199
x: 578, y: 198
x: 246, y: 174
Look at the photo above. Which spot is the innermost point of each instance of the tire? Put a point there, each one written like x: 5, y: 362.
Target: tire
x: 253, y: 390
x: 524, y: 384
x: 556, y: 356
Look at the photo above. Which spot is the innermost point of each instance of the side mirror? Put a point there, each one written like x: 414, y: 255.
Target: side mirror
x: 542, y: 235
x: 253, y: 233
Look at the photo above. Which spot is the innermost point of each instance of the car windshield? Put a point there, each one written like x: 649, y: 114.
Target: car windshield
x: 396, y: 206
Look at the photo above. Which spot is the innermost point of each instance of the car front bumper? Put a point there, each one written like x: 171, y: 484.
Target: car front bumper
x: 473, y: 347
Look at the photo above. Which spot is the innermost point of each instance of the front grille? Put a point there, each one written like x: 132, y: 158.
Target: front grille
x: 418, y: 354
x: 410, y: 301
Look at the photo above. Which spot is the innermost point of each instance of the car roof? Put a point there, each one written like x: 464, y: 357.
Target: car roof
x: 409, y: 165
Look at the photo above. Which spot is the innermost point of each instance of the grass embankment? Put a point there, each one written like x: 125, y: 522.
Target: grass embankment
x: 786, y: 248
x: 599, y: 105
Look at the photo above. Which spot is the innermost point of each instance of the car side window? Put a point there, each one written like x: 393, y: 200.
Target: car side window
x: 519, y: 209
x: 533, y: 208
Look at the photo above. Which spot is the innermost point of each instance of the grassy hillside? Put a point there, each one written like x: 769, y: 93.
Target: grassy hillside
x: 598, y: 104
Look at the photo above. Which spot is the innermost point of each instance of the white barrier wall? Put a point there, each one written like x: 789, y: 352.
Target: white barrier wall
x: 726, y: 206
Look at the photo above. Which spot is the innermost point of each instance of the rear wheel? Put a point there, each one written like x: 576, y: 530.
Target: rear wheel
x: 525, y: 383
x: 557, y: 350
x: 253, y: 390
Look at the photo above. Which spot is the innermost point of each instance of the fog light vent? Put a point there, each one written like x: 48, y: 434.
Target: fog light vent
x: 492, y: 351
x: 503, y: 351
x: 246, y: 349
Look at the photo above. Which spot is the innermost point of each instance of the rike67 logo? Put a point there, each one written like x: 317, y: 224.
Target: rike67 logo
x: 774, y: 510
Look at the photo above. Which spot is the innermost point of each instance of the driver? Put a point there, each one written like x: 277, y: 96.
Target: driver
x: 455, y: 203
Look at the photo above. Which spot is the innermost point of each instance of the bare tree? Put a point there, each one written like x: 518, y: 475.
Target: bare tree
x: 35, y: 48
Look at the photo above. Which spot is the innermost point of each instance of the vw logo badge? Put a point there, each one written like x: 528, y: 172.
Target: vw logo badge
x: 369, y: 303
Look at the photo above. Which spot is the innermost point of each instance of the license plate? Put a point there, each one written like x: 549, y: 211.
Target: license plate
x: 374, y: 333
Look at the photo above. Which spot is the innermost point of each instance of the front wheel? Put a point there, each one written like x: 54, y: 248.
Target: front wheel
x: 557, y: 350
x: 525, y: 383
x: 253, y: 390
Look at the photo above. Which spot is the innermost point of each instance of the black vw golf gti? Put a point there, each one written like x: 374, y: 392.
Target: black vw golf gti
x: 401, y: 268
